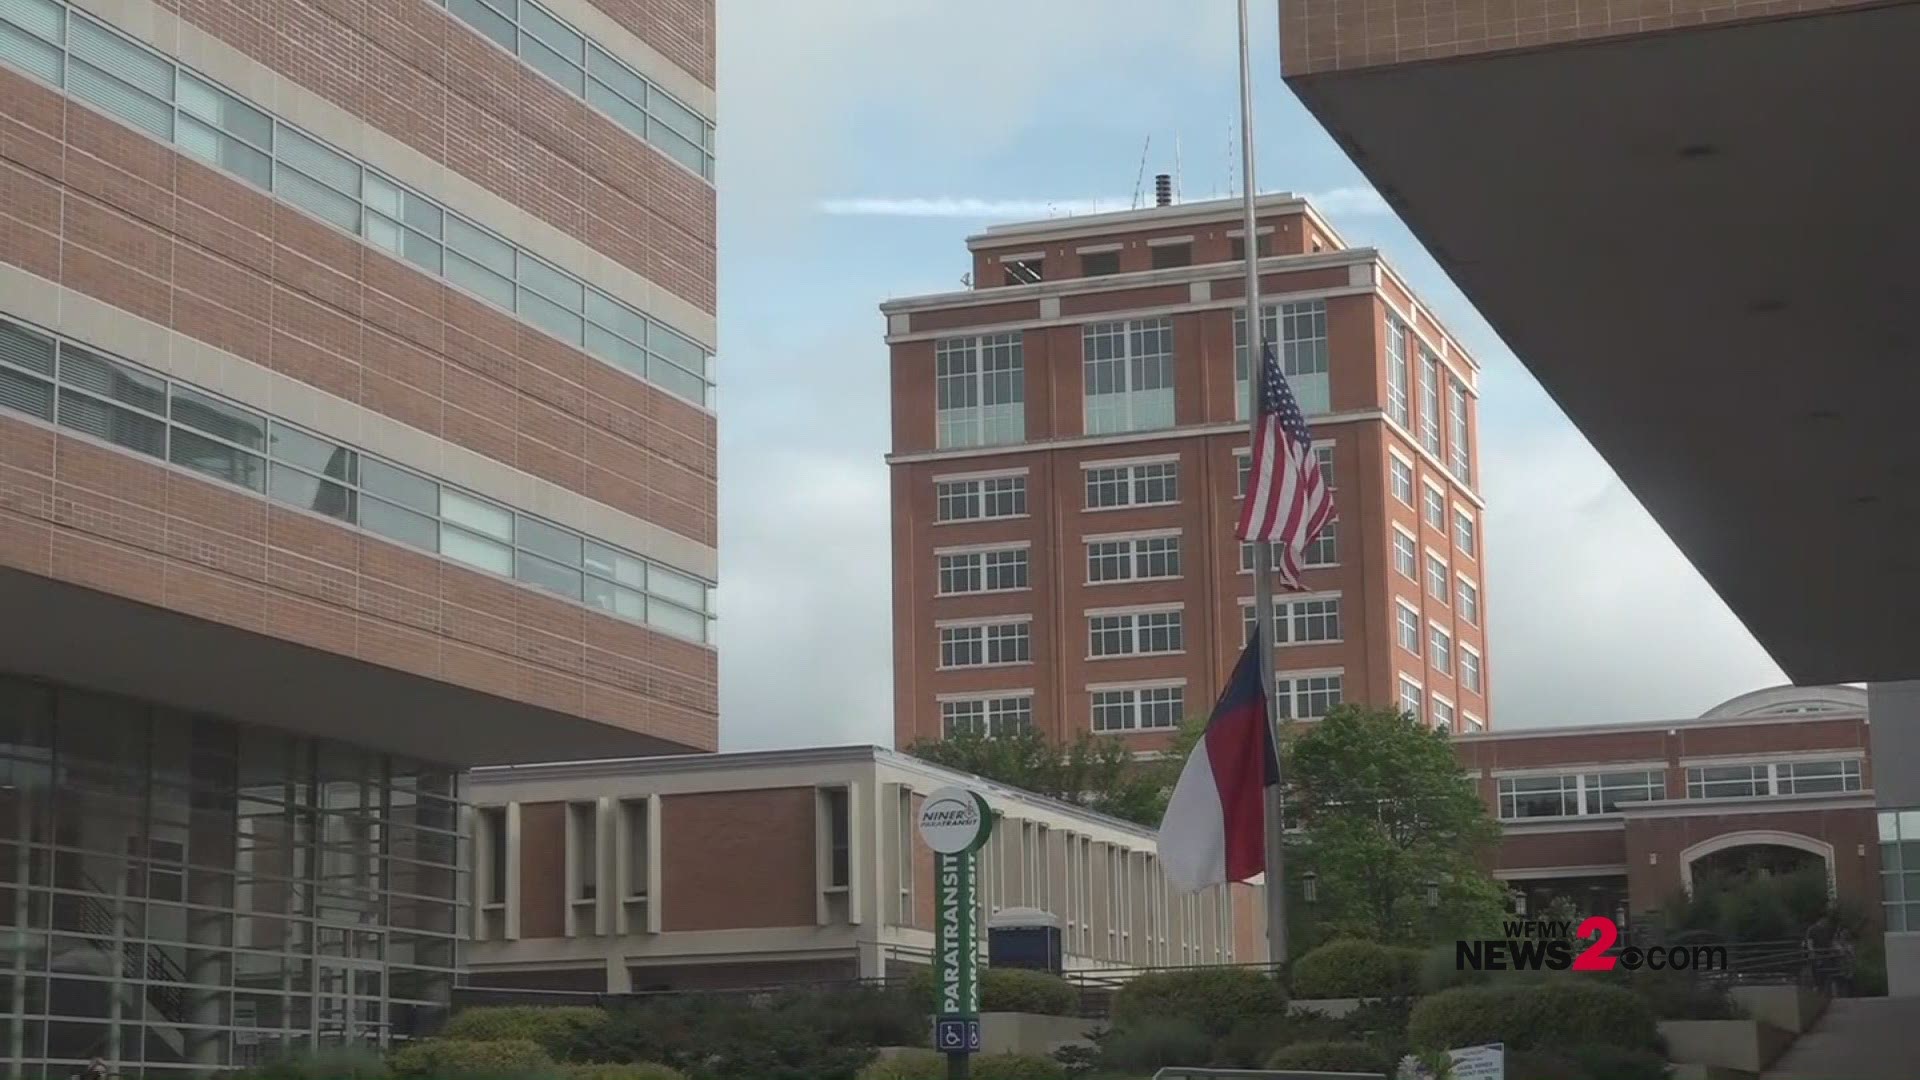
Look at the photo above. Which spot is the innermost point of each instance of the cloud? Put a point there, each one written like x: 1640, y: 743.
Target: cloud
x: 1338, y: 201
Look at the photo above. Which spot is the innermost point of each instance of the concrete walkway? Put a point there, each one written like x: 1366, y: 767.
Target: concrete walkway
x: 1857, y: 1039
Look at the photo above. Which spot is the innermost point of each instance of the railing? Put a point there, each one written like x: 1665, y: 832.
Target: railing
x: 161, y: 976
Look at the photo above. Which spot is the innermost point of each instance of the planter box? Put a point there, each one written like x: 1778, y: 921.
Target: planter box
x: 1791, y: 1008
x: 1033, y: 1033
x: 1747, y: 1045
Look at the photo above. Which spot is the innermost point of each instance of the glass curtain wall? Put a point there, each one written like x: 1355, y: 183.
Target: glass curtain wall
x: 180, y: 893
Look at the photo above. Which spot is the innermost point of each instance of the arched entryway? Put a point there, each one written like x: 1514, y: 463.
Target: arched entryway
x: 1754, y: 851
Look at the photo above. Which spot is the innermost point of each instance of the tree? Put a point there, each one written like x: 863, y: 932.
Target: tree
x: 1099, y: 772
x: 1383, y: 810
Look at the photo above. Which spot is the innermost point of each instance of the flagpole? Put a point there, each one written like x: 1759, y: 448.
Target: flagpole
x: 1262, y: 553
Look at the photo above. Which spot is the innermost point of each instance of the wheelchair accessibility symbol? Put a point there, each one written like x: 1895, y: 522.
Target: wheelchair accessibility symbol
x: 957, y: 1035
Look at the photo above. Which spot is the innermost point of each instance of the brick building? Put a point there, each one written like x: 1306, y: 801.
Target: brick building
x: 753, y: 869
x: 1068, y: 443
x: 1620, y: 817
x: 355, y: 427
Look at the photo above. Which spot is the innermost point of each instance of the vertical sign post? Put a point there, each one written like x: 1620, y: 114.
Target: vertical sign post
x: 955, y: 822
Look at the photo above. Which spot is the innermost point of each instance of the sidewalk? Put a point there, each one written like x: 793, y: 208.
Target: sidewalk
x: 1857, y: 1039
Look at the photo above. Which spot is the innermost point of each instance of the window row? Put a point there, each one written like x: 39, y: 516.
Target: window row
x: 996, y: 570
x: 1324, y: 551
x: 60, y: 382
x: 1155, y: 483
x: 1243, y: 465
x: 1135, y: 633
x: 1297, y: 620
x: 1577, y: 794
x: 1773, y: 778
x: 1434, y: 379
x: 1010, y: 714
x: 1900, y: 868
x: 565, y: 55
x: 980, y: 498
x: 169, y: 102
x: 1127, y: 377
x: 984, y: 644
x: 1433, y: 505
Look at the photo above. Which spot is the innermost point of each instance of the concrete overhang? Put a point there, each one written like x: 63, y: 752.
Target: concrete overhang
x: 1700, y: 242
x: 90, y: 639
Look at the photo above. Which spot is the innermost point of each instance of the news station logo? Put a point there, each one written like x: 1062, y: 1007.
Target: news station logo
x: 1549, y: 945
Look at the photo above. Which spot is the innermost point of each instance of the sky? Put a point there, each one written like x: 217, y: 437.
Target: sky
x: 861, y: 141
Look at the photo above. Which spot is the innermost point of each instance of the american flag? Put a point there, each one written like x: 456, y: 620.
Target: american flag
x: 1287, y: 502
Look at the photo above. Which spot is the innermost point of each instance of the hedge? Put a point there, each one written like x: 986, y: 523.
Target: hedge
x: 1534, y: 1016
x: 927, y: 1065
x: 1352, y: 968
x: 1145, y: 1045
x: 1356, y: 1057
x: 443, y: 1059
x: 344, y: 1063
x: 556, y: 1028
x: 639, y: 1070
x: 1213, y: 999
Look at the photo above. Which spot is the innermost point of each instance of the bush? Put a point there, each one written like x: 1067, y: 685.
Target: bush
x: 444, y: 1059
x: 1144, y: 1045
x: 346, y: 1064
x: 1024, y: 990
x: 1533, y: 1015
x: 1675, y: 996
x: 1212, y: 999
x: 861, y: 1016
x: 1349, y: 968
x: 1440, y: 970
x: 1604, y: 1062
x: 558, y: 1029
x: 1543, y: 1065
x: 927, y: 1065
x: 636, y: 1071
x: 1356, y: 1057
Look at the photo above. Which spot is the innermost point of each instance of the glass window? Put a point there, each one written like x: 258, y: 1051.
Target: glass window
x: 309, y: 492
x: 679, y: 588
x: 218, y: 460
x: 1406, y: 556
x: 1441, y: 643
x: 1301, y: 331
x: 1437, y: 579
x: 1463, y: 531
x: 1470, y: 669
x: 1397, y: 402
x: 1406, y: 623
x: 25, y: 349
x: 979, y: 391
x: 476, y: 551
x: 91, y: 371
x: 309, y: 194
x: 1410, y: 699
x: 1606, y: 791
x: 1429, y: 401
x: 546, y: 541
x: 1401, y: 474
x: 118, y: 425
x: 615, y: 565
x: 317, y: 162
x: 296, y: 447
x: 616, y: 75
x: 398, y: 523
x: 626, y: 603
x: 218, y: 418
x: 1436, y: 508
x: 1469, y: 602
x: 224, y: 111
x: 25, y: 394
x: 1307, y: 697
x: 482, y: 517
x: 479, y: 280
x: 1459, y: 455
x: 400, y: 486
x: 1442, y: 714
x: 559, y: 287
x: 564, y: 580
x: 486, y: 20
x: 1128, y: 375
x: 479, y: 245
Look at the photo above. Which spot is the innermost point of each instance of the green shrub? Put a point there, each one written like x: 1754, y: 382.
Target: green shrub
x: 1213, y: 999
x: 1351, y: 968
x: 1356, y: 1057
x: 1527, y: 1016
x: 344, y: 1064
x: 1440, y: 970
x: 1604, y: 1062
x: 1146, y: 1044
x: 927, y: 1065
x: 859, y: 1016
x: 1677, y: 996
x: 639, y: 1070
x: 445, y: 1059
x: 558, y: 1029
x: 1023, y: 990
x: 1545, y: 1065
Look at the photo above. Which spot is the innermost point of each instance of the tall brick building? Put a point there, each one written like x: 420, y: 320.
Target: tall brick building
x: 355, y: 427
x: 1069, y: 440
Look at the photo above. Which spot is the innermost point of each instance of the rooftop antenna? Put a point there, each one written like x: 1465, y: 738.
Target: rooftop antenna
x: 1140, y: 177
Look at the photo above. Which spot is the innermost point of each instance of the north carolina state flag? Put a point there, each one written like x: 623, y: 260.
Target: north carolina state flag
x: 1214, y: 830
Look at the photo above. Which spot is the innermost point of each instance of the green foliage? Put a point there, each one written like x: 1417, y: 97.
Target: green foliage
x: 635, y: 1071
x: 1869, y: 972
x: 1349, y: 968
x: 1078, y: 1059
x: 795, y: 1036
x: 1544, y: 1065
x: 558, y: 1029
x: 1022, y: 990
x: 1356, y: 1057
x: 927, y: 1065
x: 1212, y: 999
x: 1533, y: 1015
x: 345, y: 1064
x: 1603, y: 1062
x: 1759, y: 905
x: 1098, y: 772
x: 1678, y: 996
x: 1146, y: 1044
x: 445, y: 1059
x: 1440, y: 970
x: 1383, y: 810
x: 860, y: 1016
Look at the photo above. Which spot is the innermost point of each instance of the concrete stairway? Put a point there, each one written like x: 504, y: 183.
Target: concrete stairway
x: 1857, y: 1039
